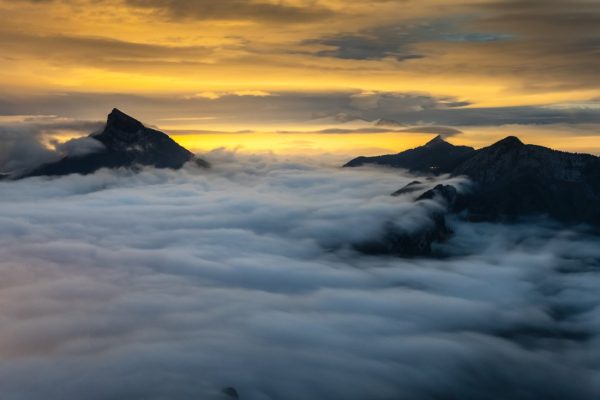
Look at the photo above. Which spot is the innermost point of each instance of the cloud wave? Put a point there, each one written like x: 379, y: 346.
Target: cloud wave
x: 175, y: 285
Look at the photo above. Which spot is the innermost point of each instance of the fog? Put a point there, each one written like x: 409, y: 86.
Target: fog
x: 172, y: 285
x: 30, y: 141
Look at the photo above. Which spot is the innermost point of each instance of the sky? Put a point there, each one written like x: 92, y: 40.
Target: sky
x: 307, y: 76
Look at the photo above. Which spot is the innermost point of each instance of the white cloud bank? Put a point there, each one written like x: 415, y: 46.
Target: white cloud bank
x: 174, y: 285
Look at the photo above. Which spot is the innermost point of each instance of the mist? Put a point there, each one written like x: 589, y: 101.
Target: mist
x: 30, y: 141
x: 176, y: 284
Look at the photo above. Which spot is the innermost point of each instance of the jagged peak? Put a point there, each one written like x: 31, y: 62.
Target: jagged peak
x: 119, y: 120
x: 436, y: 140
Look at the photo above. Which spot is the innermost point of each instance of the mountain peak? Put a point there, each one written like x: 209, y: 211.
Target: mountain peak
x: 127, y: 143
x: 435, y: 141
x: 509, y: 142
x: 437, y: 156
x: 117, y: 119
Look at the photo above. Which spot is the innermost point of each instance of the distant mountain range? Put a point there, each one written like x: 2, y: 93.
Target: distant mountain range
x: 509, y: 179
x: 124, y: 143
x: 437, y: 156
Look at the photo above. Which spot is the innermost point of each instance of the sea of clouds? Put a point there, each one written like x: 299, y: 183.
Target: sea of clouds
x: 172, y: 285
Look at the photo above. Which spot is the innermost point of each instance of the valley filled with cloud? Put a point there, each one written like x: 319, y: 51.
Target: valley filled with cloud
x: 176, y: 284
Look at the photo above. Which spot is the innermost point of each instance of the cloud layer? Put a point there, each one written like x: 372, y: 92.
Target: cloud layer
x: 279, y: 108
x: 261, y: 11
x: 483, y: 64
x: 494, y: 52
x: 176, y: 284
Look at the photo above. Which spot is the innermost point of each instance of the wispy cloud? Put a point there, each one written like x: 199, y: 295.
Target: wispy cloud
x: 244, y: 10
x: 400, y: 40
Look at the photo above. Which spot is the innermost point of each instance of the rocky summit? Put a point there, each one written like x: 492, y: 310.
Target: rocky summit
x: 124, y: 143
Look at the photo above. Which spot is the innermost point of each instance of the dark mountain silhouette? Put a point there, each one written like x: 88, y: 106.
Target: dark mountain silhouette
x: 510, y: 180
x: 514, y: 179
x: 127, y: 143
x: 437, y: 156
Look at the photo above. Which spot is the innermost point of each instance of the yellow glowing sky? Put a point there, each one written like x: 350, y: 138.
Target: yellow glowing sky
x: 212, y: 68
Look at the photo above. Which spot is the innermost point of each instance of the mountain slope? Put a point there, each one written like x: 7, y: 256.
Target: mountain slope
x: 511, y: 179
x: 126, y: 143
x: 437, y: 156
x: 514, y: 179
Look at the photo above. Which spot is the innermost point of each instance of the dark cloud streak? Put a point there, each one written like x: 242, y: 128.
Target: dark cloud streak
x: 284, y: 107
x: 99, y: 51
x: 399, y: 41
x: 234, y: 10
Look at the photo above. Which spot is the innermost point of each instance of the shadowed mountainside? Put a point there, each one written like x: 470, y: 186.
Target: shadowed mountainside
x: 514, y: 179
x: 510, y: 179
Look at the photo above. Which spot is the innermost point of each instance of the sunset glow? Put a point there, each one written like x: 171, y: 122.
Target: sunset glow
x: 486, y: 69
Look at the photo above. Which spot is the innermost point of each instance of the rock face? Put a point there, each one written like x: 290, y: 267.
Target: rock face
x: 437, y: 156
x: 511, y: 179
x: 126, y: 143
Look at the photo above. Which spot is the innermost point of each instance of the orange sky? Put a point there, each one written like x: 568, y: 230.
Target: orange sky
x: 485, y: 68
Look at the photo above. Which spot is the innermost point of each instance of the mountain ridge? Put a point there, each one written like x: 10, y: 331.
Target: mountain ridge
x: 435, y: 157
x: 511, y: 179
